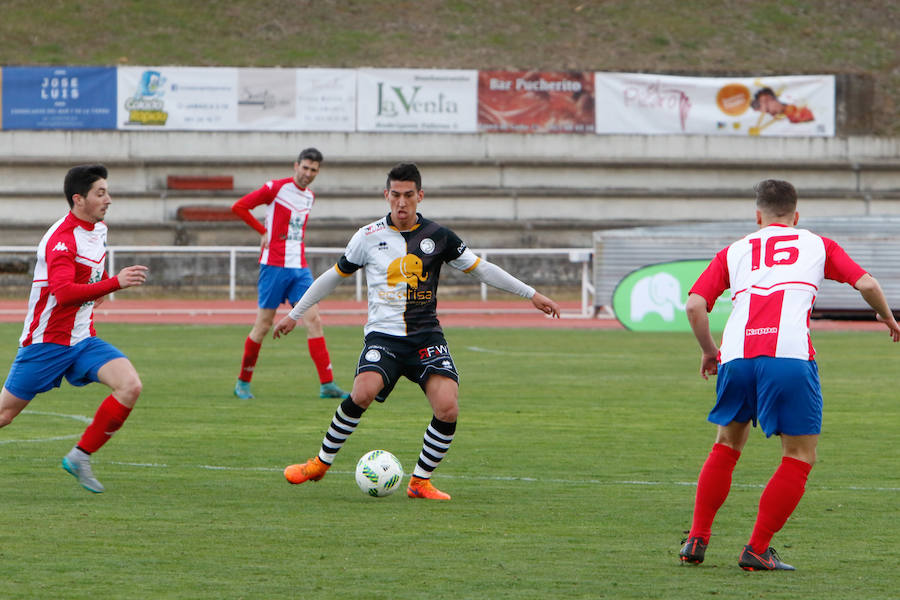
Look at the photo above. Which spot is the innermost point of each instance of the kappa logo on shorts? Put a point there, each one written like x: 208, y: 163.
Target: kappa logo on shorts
x: 373, y: 355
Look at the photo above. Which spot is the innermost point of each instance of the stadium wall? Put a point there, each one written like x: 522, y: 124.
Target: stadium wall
x: 499, y: 190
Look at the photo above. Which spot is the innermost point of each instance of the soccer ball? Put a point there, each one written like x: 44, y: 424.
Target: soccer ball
x: 378, y: 473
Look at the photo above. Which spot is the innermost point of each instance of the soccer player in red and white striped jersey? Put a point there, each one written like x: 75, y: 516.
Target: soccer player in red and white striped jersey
x: 283, y: 272
x: 765, y: 364
x: 58, y: 339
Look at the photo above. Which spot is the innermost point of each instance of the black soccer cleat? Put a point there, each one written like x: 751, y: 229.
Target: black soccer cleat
x: 693, y: 550
x: 767, y: 561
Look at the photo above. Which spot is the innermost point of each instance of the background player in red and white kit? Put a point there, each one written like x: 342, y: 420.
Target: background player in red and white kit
x: 402, y: 254
x: 283, y: 273
x: 58, y: 338
x: 766, y: 371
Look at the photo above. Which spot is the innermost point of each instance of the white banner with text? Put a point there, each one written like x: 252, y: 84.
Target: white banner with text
x: 417, y: 100
x: 637, y: 103
x: 224, y: 99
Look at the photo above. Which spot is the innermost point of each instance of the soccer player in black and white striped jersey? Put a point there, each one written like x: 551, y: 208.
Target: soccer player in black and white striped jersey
x: 402, y: 254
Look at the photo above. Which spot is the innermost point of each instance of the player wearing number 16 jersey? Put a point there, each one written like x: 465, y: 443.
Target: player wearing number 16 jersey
x: 766, y: 371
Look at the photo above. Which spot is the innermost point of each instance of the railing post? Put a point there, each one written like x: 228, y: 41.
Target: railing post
x: 484, y: 287
x: 232, y: 273
x: 111, y: 254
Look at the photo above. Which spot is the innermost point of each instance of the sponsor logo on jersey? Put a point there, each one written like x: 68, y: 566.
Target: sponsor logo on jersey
x: 383, y: 245
x: 761, y: 331
x: 427, y: 245
x: 374, y: 228
x: 60, y: 247
x: 406, y: 269
x: 430, y: 351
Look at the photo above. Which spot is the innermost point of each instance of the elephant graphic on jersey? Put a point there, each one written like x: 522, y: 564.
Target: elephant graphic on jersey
x: 659, y: 293
x: 406, y: 269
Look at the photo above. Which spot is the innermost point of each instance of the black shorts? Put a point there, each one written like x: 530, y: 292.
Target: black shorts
x: 415, y: 357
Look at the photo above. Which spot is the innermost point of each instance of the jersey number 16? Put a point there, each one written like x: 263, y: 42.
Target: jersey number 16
x: 786, y: 254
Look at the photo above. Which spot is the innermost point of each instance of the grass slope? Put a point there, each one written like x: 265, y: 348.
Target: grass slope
x: 690, y: 36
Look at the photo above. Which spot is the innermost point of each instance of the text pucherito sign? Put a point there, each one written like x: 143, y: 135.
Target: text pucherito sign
x: 536, y: 101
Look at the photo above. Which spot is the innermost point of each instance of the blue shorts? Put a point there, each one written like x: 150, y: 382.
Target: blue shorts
x: 783, y: 394
x: 41, y: 367
x: 280, y: 284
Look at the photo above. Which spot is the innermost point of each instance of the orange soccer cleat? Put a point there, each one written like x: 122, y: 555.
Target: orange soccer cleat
x: 422, y: 488
x: 313, y: 469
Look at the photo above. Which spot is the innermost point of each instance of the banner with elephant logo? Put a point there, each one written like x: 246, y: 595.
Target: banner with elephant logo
x: 652, y: 298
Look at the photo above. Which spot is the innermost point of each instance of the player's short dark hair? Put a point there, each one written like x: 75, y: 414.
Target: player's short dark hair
x: 766, y: 91
x: 776, y: 197
x: 312, y: 154
x: 80, y: 179
x: 404, y: 172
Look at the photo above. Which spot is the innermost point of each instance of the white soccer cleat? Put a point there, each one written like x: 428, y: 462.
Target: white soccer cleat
x: 78, y: 464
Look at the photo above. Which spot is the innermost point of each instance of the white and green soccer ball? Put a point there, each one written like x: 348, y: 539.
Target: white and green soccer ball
x: 379, y: 473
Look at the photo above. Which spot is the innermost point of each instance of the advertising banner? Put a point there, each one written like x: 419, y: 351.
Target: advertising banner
x: 59, y: 98
x: 297, y: 99
x: 634, y: 103
x: 417, y: 100
x: 536, y: 101
x: 177, y: 98
x: 653, y: 297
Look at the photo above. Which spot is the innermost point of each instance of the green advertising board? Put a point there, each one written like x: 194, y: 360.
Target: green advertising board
x: 652, y: 298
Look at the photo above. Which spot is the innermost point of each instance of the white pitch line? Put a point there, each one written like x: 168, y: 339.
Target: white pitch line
x: 80, y: 418
x: 38, y: 440
x: 511, y: 478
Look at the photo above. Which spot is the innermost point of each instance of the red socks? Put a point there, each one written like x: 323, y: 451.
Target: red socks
x: 713, y: 486
x: 319, y: 354
x: 317, y: 351
x: 248, y: 362
x: 107, y: 420
x: 778, y: 501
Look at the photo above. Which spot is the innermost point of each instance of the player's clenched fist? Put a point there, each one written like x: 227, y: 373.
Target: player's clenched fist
x: 132, y: 276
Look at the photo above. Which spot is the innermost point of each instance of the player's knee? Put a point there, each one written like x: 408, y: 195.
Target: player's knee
x: 448, y: 414
x: 6, y: 419
x: 128, y: 391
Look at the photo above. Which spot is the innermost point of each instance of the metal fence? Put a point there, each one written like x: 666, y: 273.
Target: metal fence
x: 180, y: 270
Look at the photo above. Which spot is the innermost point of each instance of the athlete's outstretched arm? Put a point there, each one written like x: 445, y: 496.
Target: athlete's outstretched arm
x: 871, y: 291
x: 494, y: 276
x: 320, y: 288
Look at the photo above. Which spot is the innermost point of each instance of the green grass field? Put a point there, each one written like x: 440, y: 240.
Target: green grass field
x: 571, y: 473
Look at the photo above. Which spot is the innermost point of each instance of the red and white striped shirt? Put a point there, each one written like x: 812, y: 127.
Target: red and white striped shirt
x: 774, y: 275
x: 287, y: 212
x: 69, y: 275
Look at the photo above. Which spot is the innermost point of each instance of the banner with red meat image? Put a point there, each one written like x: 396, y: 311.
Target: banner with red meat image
x: 536, y: 101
